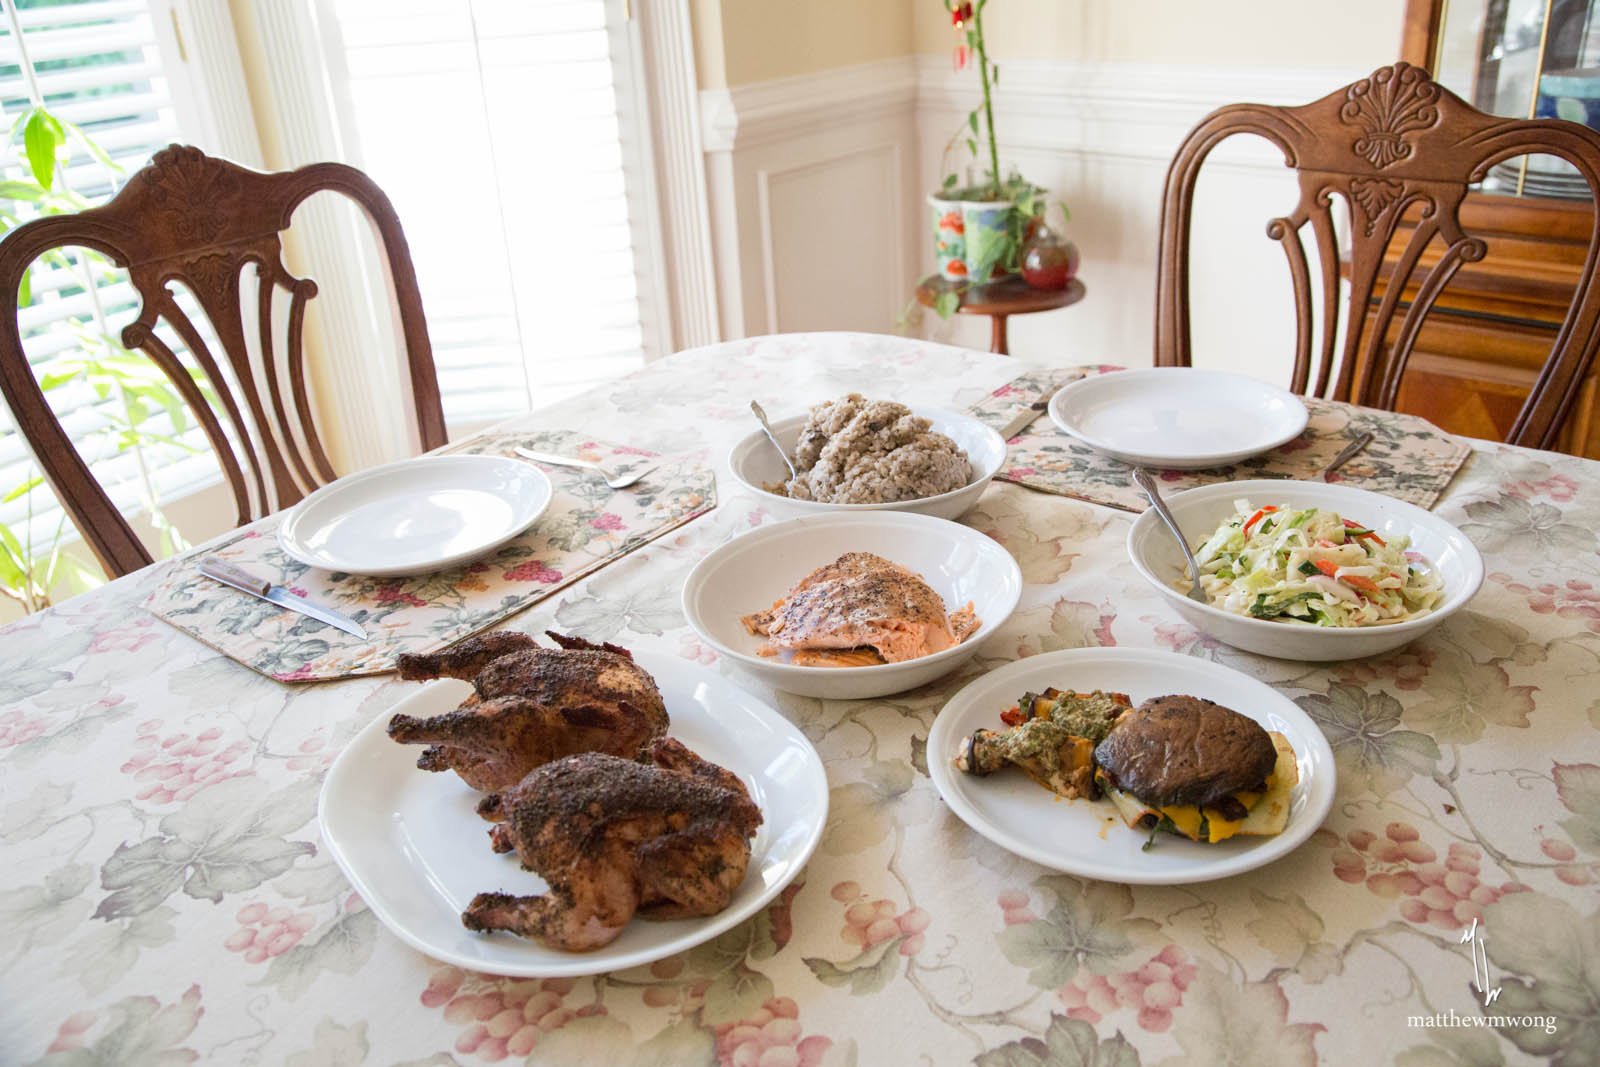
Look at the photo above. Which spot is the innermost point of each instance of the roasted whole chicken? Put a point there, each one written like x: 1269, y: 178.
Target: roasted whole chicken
x: 531, y: 705
x: 664, y: 839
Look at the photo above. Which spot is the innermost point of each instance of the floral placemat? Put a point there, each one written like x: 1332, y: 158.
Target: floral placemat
x: 586, y: 526
x: 1408, y: 458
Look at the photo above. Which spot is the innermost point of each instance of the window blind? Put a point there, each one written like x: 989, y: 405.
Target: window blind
x: 96, y: 65
x: 496, y: 130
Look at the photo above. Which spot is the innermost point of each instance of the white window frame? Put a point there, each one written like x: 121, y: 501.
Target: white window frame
x: 661, y: 80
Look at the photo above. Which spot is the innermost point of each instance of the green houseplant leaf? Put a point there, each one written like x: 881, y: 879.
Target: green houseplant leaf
x: 41, y: 136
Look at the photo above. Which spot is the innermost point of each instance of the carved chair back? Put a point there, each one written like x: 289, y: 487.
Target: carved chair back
x: 199, y: 221
x: 1393, y: 145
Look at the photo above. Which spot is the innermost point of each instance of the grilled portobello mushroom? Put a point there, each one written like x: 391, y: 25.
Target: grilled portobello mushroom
x: 1175, y: 750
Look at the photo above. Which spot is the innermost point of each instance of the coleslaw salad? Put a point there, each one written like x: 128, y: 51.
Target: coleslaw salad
x: 1311, y: 565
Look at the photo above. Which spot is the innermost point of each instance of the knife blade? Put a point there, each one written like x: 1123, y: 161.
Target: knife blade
x: 230, y: 574
x: 1024, y: 418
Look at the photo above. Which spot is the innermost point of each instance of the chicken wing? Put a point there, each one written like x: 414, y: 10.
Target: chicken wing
x: 613, y: 838
x: 531, y: 705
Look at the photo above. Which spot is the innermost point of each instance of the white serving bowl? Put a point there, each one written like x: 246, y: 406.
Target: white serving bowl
x: 1200, y: 511
x: 750, y: 572
x: 754, y: 463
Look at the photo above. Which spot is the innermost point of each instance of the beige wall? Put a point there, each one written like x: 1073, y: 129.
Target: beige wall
x: 1265, y: 33
x: 742, y: 41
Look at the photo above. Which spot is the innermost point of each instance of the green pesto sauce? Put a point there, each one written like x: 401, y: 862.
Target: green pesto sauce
x: 1088, y: 716
x: 1043, y: 737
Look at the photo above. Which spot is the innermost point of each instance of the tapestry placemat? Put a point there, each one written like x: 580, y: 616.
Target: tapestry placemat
x: 1408, y: 458
x: 586, y: 526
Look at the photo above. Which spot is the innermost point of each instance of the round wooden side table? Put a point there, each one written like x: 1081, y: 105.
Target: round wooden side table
x: 1000, y: 300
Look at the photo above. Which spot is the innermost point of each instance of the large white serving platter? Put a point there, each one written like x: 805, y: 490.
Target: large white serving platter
x: 414, y: 847
x: 1087, y: 837
x: 1178, y: 417
x: 415, y: 516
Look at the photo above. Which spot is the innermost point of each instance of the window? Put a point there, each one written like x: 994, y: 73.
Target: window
x: 98, y: 66
x: 507, y: 137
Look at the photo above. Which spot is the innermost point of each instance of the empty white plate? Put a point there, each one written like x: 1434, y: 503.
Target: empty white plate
x: 414, y: 847
x: 1087, y: 837
x: 415, y: 516
x: 1178, y: 416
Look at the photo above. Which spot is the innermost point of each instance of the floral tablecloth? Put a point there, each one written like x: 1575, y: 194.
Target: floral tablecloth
x: 166, y: 898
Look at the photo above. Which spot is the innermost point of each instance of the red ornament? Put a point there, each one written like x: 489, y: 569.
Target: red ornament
x: 960, y: 14
x: 963, y: 54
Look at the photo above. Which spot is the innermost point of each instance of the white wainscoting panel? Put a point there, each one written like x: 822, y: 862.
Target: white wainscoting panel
x: 831, y: 278
x: 813, y: 186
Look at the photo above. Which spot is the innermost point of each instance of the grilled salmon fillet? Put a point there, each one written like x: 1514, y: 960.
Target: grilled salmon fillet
x: 861, y: 602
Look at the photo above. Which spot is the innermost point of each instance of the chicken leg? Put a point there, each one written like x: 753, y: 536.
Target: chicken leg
x: 531, y: 705
x: 666, y: 839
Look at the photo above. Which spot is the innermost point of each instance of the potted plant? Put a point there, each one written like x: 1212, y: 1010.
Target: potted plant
x: 980, y: 228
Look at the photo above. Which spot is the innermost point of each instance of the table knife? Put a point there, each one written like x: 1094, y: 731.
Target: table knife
x: 1024, y: 418
x: 221, y: 570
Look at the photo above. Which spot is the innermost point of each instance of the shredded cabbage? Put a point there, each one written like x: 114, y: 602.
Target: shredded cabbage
x: 1313, y: 566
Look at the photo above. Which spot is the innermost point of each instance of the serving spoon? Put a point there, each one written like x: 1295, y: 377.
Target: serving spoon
x: 1143, y: 480
x: 761, y: 416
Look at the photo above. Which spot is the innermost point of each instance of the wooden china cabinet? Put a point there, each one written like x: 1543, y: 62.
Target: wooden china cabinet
x: 1492, y: 328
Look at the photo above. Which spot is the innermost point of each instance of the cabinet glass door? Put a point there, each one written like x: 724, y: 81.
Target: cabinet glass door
x: 1525, y: 59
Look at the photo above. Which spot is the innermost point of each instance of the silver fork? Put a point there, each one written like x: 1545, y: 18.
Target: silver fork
x: 1142, y: 479
x: 620, y: 481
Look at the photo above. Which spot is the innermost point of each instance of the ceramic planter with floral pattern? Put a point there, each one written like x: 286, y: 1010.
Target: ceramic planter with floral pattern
x: 967, y: 233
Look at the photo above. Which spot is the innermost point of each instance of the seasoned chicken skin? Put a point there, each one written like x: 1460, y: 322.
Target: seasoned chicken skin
x: 531, y: 705
x: 860, y: 602
x: 613, y: 838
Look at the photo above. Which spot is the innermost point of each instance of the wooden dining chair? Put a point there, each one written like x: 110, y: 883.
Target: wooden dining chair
x: 199, y: 221
x: 1397, y: 148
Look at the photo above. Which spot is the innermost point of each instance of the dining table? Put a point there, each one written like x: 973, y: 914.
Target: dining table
x: 166, y: 896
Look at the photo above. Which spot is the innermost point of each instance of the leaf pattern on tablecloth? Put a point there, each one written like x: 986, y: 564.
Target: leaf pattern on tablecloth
x: 1368, y: 743
x: 1088, y: 925
x: 110, y: 950
x: 335, y: 1046
x: 140, y: 1032
x: 45, y: 914
x: 342, y: 948
x: 1519, y: 527
x: 1552, y: 950
x: 1243, y: 1024
x: 1066, y: 1043
x: 229, y: 840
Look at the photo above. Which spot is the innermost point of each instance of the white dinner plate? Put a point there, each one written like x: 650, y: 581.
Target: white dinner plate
x: 1087, y: 837
x: 414, y: 847
x: 415, y: 516
x: 1178, y: 416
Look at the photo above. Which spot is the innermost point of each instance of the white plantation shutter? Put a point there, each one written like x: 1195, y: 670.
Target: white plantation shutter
x: 503, y: 131
x: 97, y: 65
